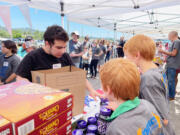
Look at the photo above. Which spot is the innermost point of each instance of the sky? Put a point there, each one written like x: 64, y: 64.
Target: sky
x: 42, y: 19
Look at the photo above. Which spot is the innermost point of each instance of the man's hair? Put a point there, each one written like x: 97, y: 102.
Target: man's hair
x: 55, y: 32
x: 174, y: 33
x: 86, y: 38
x: 102, y: 41
x: 142, y: 44
x: 122, y: 77
x: 10, y: 45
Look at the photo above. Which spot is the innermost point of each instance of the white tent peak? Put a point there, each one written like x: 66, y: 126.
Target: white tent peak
x: 129, y: 15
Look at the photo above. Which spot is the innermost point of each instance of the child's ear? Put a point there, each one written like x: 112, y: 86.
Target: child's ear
x: 138, y: 55
x: 109, y: 91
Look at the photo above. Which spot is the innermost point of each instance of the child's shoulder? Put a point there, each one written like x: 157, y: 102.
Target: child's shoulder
x: 144, y: 111
x: 152, y: 75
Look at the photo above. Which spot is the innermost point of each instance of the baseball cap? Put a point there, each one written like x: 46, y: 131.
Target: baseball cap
x: 76, y: 33
x: 28, y: 38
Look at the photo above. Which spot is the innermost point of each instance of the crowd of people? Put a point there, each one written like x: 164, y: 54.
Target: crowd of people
x: 91, y: 55
x: 138, y: 88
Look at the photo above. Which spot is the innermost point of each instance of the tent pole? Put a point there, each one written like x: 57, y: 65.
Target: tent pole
x: 62, y: 13
x: 115, y: 24
x: 68, y: 27
x: 62, y: 21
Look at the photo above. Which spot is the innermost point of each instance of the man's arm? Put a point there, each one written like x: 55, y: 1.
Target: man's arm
x: 79, y: 54
x: 18, y: 78
x: 15, y: 64
x: 119, y: 46
x: 76, y: 55
x: 10, y: 78
x: 173, y: 53
x: 92, y: 91
x: 100, y: 53
x: 25, y: 67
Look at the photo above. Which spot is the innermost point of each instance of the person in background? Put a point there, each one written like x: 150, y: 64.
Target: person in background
x: 96, y: 52
x: 85, y: 59
x: 173, y: 62
x: 86, y: 42
x: 120, y: 81
x: 84, y: 45
x: 102, y: 55
x: 177, y: 72
x: 8, y: 62
x: 120, y: 46
x: 27, y: 47
x: 75, y: 49
x: 108, y: 52
x: 140, y: 49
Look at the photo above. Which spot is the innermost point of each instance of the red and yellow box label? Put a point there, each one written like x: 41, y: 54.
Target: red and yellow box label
x: 23, y: 102
x: 5, y: 127
x: 53, y: 124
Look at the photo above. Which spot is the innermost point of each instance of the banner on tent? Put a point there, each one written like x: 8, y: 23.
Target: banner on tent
x: 6, y: 17
x: 25, y: 11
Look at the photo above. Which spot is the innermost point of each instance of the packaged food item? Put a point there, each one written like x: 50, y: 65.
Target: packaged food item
x: 66, y: 129
x: 91, y: 107
x: 92, y: 129
x: 92, y: 121
x: 5, y: 127
x: 52, y: 125
x: 27, y: 105
x: 97, y: 115
x: 104, y: 102
x: 102, y: 122
x: 91, y: 134
x: 82, y: 124
x: 77, y: 132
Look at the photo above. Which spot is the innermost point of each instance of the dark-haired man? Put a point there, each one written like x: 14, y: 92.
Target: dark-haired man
x: 52, y: 55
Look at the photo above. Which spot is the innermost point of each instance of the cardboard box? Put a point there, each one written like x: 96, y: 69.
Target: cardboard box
x: 54, y: 124
x: 70, y: 79
x: 5, y: 126
x: 29, y: 105
x: 66, y: 129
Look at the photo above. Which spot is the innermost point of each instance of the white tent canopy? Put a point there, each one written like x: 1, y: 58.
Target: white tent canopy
x: 153, y: 17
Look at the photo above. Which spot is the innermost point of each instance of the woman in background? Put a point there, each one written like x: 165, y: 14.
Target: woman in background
x: 8, y: 62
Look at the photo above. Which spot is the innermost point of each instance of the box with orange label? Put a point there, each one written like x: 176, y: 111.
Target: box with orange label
x: 5, y: 126
x: 29, y: 105
x: 54, y: 124
x: 66, y: 129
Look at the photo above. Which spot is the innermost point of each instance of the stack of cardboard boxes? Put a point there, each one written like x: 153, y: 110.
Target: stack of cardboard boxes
x: 32, y: 109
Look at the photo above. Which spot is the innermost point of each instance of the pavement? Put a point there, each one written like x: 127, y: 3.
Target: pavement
x: 174, y: 105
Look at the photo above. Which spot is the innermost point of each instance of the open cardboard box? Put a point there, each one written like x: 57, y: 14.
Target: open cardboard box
x: 69, y: 79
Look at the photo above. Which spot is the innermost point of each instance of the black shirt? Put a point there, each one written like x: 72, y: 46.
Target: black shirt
x: 39, y: 60
x: 120, y: 50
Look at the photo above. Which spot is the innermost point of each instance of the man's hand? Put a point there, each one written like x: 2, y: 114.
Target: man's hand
x: 1, y: 83
x: 73, y: 55
x: 160, y: 50
x: 94, y: 94
x: 165, y: 122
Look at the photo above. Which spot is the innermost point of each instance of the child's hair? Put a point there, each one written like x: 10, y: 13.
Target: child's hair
x: 122, y: 77
x: 10, y: 45
x: 142, y: 44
